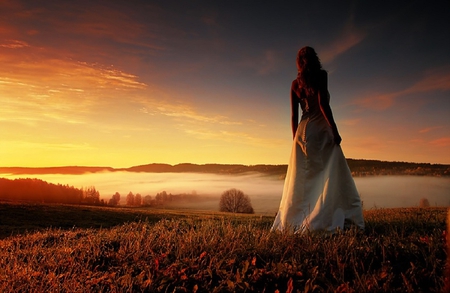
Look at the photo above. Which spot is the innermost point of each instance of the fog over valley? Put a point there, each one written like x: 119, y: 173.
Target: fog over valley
x: 264, y: 191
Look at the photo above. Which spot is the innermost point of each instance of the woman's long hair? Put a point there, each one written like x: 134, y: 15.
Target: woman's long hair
x: 309, y: 66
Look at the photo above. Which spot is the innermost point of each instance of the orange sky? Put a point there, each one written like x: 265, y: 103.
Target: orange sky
x: 103, y: 83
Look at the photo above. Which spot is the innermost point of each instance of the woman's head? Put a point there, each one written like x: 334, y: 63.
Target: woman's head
x: 307, y: 59
x: 308, y: 65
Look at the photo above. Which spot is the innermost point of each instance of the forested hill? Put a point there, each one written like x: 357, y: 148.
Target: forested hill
x: 358, y: 168
x: 374, y: 167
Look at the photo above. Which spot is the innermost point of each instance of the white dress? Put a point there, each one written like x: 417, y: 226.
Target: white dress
x: 319, y: 192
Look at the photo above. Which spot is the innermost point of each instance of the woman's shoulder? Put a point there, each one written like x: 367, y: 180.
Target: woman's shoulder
x: 294, y: 84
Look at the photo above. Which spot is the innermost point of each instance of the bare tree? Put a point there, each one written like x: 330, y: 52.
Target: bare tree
x: 235, y: 201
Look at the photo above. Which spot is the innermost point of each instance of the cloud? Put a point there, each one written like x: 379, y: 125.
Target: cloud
x: 73, y: 29
x: 269, y: 63
x: 263, y: 63
x: 195, y: 123
x: 186, y: 112
x: 370, y: 144
x: 346, y: 40
x: 434, y: 80
x: 350, y: 122
x: 441, y: 142
x: 428, y: 129
x: 121, y: 78
x: 18, y: 144
x: 235, y: 137
x: 51, y: 87
x: 56, y: 75
x: 14, y: 44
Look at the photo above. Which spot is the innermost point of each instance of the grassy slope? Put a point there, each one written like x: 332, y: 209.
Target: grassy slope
x: 20, y: 218
x: 401, y: 250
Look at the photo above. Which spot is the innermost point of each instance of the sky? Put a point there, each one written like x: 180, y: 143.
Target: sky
x: 125, y: 83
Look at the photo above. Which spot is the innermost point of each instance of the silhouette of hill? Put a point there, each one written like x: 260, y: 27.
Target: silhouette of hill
x: 375, y: 167
x: 357, y: 166
x: 210, y: 168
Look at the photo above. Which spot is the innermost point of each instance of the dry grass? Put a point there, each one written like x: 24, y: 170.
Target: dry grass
x: 402, y: 250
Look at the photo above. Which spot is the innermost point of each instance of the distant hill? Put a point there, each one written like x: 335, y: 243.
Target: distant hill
x: 358, y: 168
x: 374, y: 167
x: 210, y: 168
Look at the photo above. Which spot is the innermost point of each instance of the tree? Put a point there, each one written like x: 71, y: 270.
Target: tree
x: 91, y: 196
x: 138, y: 199
x: 130, y: 199
x: 424, y: 203
x: 147, y: 200
x: 115, y: 199
x: 235, y: 201
x: 162, y: 197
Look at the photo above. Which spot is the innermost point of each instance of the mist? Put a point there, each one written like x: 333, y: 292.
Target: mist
x: 264, y: 191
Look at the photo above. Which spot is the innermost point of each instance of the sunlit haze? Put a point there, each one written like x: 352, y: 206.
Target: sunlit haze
x: 124, y: 83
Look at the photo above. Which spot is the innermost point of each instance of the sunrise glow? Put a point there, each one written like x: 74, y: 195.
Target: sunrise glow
x: 119, y: 84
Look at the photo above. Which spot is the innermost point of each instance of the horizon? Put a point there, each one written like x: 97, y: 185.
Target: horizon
x: 203, y: 164
x: 265, y: 191
x: 94, y: 83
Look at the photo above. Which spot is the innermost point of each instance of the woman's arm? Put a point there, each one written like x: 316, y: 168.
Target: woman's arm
x: 324, y: 103
x: 294, y: 111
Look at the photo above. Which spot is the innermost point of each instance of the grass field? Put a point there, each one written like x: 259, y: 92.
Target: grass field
x: 88, y: 249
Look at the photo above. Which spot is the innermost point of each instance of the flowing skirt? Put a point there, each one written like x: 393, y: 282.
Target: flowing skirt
x: 319, y: 192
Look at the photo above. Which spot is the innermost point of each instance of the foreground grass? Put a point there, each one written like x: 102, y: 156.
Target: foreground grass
x: 19, y: 218
x: 402, y: 250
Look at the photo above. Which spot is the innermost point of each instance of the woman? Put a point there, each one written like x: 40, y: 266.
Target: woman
x: 319, y: 193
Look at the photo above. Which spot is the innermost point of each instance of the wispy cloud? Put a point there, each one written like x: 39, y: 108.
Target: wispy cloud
x: 350, y: 122
x: 434, y: 80
x: 121, y: 78
x: 340, y: 46
x: 236, y: 137
x: 441, y: 142
x: 55, y: 88
x: 57, y: 75
x: 429, y: 129
x: 18, y: 144
x: 14, y: 44
x: 367, y: 144
x: 347, y: 39
x: 185, y: 112
x: 263, y: 63
x: 438, y: 79
x: 269, y: 62
x: 190, y: 120
x: 76, y: 30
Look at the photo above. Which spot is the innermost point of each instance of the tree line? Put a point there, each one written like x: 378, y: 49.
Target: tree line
x: 159, y: 199
x: 232, y: 200
x: 37, y: 190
